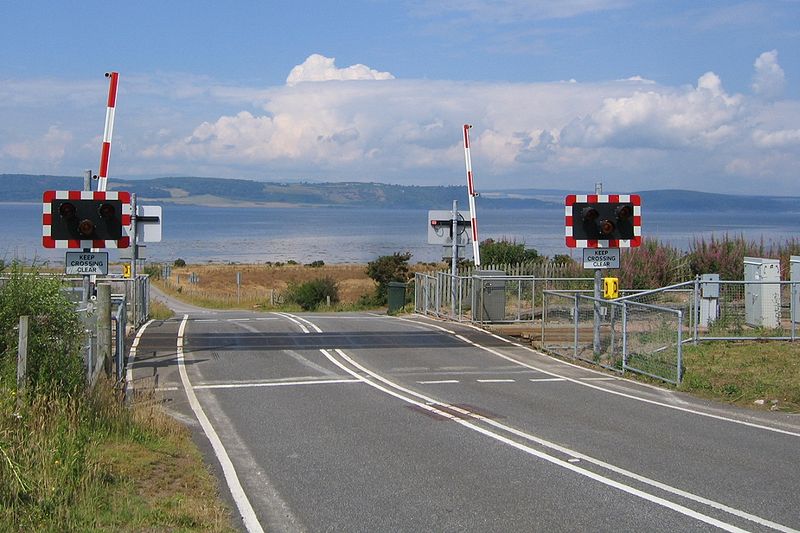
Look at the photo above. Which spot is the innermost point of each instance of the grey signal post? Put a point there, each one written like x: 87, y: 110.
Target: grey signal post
x: 598, y: 285
x: 454, y: 264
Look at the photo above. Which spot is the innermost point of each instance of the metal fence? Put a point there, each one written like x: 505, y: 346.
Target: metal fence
x: 617, y: 335
x: 486, y: 297
x: 645, y: 331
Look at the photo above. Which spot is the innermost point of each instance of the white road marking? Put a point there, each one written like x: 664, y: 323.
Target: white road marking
x: 438, y: 381
x: 496, y: 380
x: 429, y: 404
x: 237, y: 492
x: 583, y: 382
x: 537, y: 380
x: 132, y: 353
x: 206, y: 320
x: 238, y: 320
x: 275, y: 384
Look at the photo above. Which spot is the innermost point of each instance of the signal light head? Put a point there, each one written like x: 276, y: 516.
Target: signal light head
x: 606, y: 227
x: 589, y: 214
x: 86, y: 227
x: 623, y: 212
x: 67, y: 210
x: 107, y: 211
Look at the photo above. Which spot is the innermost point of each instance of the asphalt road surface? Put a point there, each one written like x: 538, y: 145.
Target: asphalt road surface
x: 364, y: 422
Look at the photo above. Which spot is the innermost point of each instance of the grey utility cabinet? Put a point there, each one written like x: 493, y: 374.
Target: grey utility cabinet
x: 488, y: 296
x: 762, y: 301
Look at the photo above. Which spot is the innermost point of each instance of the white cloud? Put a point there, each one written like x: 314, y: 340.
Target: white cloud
x: 409, y: 131
x: 777, y: 139
x: 634, y: 133
x: 660, y: 118
x: 48, y: 148
x: 769, y: 79
x: 317, y: 67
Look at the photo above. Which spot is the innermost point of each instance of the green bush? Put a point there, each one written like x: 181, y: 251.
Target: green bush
x: 316, y: 264
x: 388, y: 268
x: 179, y: 263
x: 310, y: 294
x: 505, y: 252
x: 54, y: 336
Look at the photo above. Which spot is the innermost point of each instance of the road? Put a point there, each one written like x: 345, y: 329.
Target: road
x: 364, y: 422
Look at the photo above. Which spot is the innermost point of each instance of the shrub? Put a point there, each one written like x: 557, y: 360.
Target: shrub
x: 179, y: 263
x: 388, y: 268
x: 310, y: 294
x: 505, y: 252
x: 650, y: 266
x: 55, y: 334
x: 316, y: 264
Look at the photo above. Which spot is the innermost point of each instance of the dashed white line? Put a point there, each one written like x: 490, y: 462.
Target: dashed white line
x: 438, y: 381
x: 542, y: 380
x: 496, y: 380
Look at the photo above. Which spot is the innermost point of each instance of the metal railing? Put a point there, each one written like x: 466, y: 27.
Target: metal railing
x: 618, y: 335
x: 486, y: 299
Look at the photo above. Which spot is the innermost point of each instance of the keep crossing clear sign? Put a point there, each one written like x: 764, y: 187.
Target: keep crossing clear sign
x: 601, y: 258
x: 87, y: 263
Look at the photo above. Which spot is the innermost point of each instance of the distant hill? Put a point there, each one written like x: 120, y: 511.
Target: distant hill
x: 238, y: 192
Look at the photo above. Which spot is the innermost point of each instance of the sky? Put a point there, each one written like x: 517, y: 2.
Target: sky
x: 636, y: 94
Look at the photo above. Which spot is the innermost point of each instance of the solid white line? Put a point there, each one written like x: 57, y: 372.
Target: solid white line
x: 496, y: 380
x: 237, y: 492
x: 206, y: 320
x: 132, y: 352
x: 438, y: 381
x: 274, y: 384
x: 583, y: 383
x: 429, y: 406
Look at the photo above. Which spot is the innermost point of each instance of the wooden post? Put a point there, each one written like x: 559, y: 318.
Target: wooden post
x: 22, y: 359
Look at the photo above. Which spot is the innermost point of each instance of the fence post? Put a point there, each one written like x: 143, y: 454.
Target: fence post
x: 695, y: 299
x: 624, y: 336
x: 104, y: 325
x: 680, y: 346
x: 575, y: 320
x: 22, y: 359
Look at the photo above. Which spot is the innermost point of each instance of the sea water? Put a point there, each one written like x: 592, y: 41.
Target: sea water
x: 199, y: 234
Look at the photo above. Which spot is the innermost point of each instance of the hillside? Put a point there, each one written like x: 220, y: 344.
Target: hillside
x: 238, y: 192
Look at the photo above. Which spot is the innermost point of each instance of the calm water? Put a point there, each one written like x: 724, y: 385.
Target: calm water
x: 341, y: 235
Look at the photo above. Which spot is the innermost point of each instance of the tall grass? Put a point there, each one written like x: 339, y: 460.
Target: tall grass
x: 725, y: 255
x: 63, y: 465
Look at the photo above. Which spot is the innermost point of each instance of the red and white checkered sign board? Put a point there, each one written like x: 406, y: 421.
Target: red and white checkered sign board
x: 47, y: 219
x: 633, y: 199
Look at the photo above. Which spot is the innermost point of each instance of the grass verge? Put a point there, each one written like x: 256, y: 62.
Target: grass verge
x: 757, y: 374
x: 86, y: 462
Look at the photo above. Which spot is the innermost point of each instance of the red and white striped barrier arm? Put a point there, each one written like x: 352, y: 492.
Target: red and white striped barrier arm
x: 476, y: 254
x: 109, y: 129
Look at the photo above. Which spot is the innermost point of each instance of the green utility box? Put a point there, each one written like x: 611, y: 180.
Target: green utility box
x: 397, y: 296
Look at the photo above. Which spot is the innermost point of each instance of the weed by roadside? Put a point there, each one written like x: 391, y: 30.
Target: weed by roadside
x: 87, y: 462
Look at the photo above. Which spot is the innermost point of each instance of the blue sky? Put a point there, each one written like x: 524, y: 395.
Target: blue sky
x: 637, y: 94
